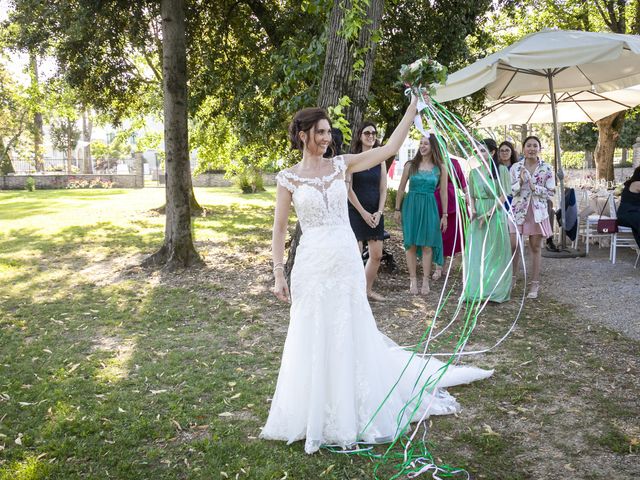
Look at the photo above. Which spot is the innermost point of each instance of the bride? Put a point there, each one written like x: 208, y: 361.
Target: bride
x: 341, y: 381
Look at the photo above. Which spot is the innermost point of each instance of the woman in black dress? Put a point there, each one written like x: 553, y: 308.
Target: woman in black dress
x: 629, y: 209
x: 367, y: 195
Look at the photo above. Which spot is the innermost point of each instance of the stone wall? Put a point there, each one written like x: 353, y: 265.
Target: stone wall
x: 218, y: 180
x: 45, y: 182
x: 62, y: 181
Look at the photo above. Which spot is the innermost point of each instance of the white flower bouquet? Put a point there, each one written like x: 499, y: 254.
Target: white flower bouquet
x: 424, y: 73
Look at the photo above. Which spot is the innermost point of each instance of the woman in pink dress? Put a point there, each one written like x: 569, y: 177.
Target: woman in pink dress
x: 532, y: 184
x: 452, y: 237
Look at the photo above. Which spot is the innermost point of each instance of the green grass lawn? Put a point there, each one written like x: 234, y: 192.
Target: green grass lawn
x: 111, y: 371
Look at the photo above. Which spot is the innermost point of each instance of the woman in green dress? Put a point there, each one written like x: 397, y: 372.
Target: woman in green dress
x: 422, y: 226
x: 487, y: 256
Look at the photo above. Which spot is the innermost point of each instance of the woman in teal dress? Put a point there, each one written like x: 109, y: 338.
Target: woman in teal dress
x: 422, y: 226
x: 487, y: 256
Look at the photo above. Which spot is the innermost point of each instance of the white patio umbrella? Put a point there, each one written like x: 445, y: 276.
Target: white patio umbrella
x: 583, y: 106
x: 548, y: 62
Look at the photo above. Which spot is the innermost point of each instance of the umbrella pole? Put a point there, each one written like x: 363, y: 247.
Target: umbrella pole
x: 558, y: 160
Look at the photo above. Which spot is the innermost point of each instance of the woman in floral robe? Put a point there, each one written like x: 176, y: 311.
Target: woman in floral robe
x: 532, y: 184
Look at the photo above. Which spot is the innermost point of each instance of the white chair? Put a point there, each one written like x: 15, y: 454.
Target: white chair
x: 589, y: 228
x: 623, y: 238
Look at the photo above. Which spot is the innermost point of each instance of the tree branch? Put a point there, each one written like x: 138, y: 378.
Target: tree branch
x: 604, y: 16
x: 267, y: 21
x: 153, y: 68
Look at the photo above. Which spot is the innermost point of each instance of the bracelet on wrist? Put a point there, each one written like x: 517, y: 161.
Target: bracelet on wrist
x: 398, y: 209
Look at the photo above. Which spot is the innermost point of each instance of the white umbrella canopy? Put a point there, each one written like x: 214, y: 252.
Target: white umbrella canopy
x: 576, y: 60
x: 583, y: 106
x: 551, y: 61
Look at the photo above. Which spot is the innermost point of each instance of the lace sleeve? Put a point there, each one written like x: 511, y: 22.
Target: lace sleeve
x: 282, y: 179
x: 339, y: 164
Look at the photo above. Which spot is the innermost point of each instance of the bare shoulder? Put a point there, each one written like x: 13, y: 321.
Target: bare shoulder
x: 635, y: 187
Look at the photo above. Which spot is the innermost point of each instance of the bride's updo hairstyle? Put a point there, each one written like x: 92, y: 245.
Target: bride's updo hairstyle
x: 304, y: 121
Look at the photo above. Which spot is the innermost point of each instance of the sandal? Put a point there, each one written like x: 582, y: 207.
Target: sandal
x: 413, y: 285
x: 533, y: 291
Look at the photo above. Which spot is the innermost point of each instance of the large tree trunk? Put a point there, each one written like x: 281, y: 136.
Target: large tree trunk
x: 359, y: 91
x: 337, y: 63
x: 608, y: 133
x: 87, y: 127
x: 524, y: 132
x: 338, y: 77
x: 177, y: 250
x: 38, y: 131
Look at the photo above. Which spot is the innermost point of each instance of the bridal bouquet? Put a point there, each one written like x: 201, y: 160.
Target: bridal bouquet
x: 423, y: 73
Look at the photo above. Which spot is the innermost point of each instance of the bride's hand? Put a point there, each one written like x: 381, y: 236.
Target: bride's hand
x: 281, y: 289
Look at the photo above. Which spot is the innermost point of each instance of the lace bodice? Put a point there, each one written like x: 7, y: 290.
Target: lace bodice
x: 318, y: 201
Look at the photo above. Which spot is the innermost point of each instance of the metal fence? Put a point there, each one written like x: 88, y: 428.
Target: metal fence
x: 59, y: 165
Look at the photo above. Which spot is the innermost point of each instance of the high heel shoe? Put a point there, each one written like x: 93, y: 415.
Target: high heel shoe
x: 425, y: 286
x: 413, y: 285
x: 533, y: 291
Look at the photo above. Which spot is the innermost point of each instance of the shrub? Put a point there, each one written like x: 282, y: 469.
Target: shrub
x: 98, y: 183
x: 391, y: 198
x: 30, y: 184
x: 250, y: 181
x: 572, y: 159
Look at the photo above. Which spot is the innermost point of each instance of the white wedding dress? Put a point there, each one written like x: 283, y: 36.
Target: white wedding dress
x: 337, y: 368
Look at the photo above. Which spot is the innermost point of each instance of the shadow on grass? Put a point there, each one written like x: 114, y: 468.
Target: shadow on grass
x: 32, y: 260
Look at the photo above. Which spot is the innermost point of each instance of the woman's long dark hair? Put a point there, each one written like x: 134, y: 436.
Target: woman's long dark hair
x: 436, y: 154
x: 514, y: 155
x: 635, y: 177
x: 304, y: 121
x: 357, y: 148
x: 494, y: 165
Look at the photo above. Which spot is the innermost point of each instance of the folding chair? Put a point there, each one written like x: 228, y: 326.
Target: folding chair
x: 623, y: 238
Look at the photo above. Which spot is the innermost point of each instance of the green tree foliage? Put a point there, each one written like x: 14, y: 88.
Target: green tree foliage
x: 579, y: 137
x: 14, y: 118
x: 64, y: 135
x: 450, y: 32
x: 631, y: 129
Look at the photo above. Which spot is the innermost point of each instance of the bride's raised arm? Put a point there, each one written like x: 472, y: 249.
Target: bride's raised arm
x: 365, y: 160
